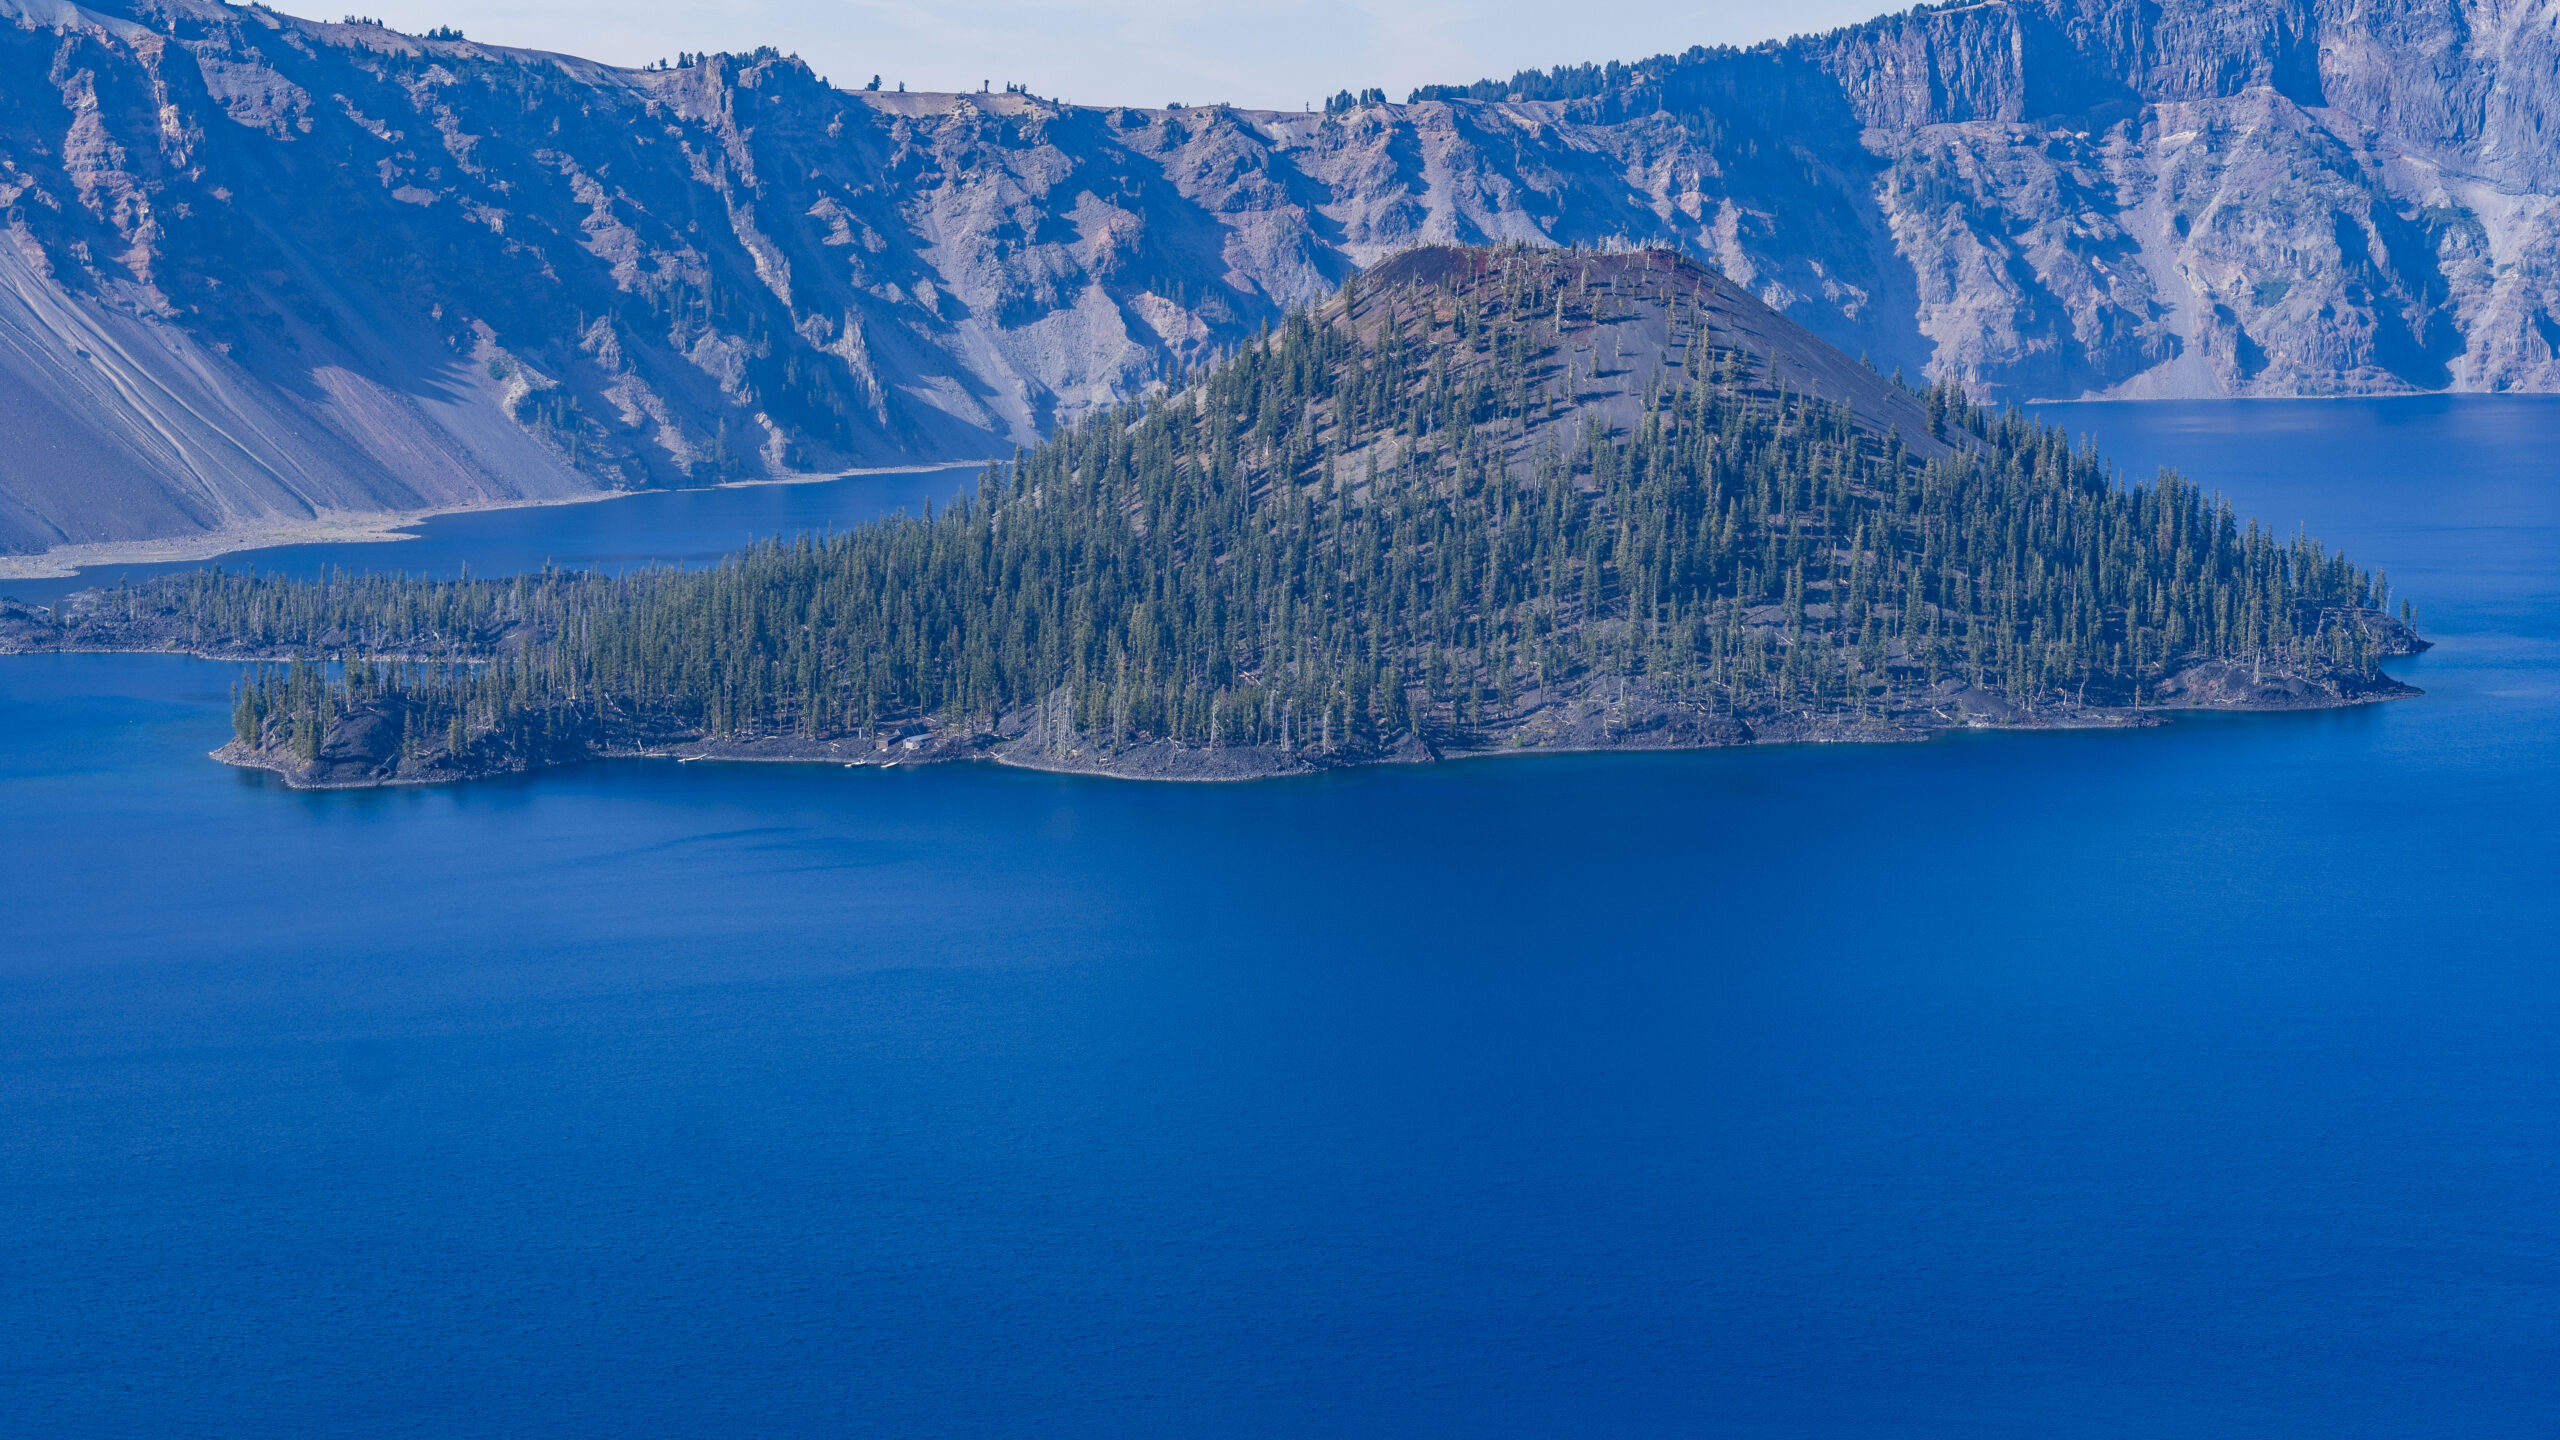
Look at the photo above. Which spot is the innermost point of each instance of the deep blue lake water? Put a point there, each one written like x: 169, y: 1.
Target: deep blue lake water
x: 2196, y: 1082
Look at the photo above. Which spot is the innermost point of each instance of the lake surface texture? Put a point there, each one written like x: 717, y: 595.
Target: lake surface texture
x: 2196, y: 1082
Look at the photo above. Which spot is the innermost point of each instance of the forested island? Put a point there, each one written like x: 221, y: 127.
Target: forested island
x: 1483, y: 501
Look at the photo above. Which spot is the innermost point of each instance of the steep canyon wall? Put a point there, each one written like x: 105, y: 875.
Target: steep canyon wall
x: 262, y: 268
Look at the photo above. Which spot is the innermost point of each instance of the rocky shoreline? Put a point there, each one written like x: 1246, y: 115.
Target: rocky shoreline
x: 383, y: 741
x: 370, y: 748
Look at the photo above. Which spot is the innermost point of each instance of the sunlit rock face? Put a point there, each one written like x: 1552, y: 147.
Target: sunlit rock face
x: 263, y: 268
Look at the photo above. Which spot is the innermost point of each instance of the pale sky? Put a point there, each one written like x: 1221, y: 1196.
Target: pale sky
x: 1272, y: 54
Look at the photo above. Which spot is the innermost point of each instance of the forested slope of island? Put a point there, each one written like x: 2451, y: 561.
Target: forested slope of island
x: 1481, y: 500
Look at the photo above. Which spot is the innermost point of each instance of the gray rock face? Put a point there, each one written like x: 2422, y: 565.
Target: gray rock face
x: 259, y: 268
x: 2208, y: 198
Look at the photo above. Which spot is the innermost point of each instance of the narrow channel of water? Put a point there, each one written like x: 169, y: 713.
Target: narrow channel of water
x: 655, y: 527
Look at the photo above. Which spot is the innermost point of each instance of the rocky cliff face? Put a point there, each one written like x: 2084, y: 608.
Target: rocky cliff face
x: 261, y: 268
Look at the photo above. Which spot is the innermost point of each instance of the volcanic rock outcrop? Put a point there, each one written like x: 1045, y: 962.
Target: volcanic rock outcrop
x: 259, y: 269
